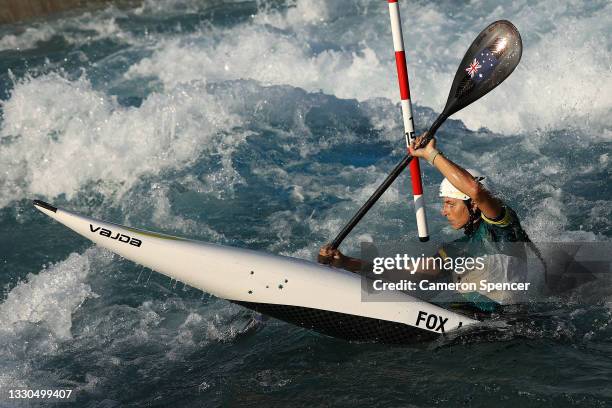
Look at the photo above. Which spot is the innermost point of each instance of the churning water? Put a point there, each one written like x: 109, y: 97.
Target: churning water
x: 266, y: 125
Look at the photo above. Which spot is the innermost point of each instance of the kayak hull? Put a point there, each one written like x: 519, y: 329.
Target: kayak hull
x: 344, y: 326
x: 317, y: 297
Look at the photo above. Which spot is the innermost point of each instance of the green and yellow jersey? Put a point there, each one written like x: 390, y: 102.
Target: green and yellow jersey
x: 498, y: 242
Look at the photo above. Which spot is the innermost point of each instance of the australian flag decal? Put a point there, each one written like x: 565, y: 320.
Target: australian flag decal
x: 482, y: 66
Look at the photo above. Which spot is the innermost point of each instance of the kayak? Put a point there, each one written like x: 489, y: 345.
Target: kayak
x: 313, y: 296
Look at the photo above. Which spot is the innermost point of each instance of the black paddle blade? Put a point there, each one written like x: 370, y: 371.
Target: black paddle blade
x: 490, y: 59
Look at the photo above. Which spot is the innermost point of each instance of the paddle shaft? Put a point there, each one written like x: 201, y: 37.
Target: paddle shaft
x: 371, y: 201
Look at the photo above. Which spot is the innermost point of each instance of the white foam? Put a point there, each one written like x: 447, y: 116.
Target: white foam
x: 65, y: 135
x: 28, y: 38
x: 167, y: 221
x: 563, y: 81
x: 165, y: 6
x: 103, y: 27
x: 51, y: 296
x: 298, y: 13
x: 250, y: 52
x: 183, y: 325
x: 80, y: 29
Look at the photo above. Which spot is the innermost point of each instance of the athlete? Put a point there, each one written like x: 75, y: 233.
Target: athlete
x: 490, y: 228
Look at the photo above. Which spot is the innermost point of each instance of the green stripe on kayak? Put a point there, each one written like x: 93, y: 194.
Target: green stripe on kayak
x: 155, y: 234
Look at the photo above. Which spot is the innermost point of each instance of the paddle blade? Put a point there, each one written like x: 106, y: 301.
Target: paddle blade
x: 490, y: 59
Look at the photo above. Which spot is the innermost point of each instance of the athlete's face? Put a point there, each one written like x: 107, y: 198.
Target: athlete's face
x: 455, y: 212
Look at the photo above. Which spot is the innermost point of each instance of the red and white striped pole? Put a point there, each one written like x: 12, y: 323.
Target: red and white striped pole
x: 402, y: 76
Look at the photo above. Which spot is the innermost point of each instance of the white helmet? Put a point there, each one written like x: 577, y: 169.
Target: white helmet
x: 448, y: 190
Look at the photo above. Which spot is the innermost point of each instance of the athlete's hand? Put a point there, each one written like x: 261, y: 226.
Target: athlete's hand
x: 330, y: 256
x: 417, y: 150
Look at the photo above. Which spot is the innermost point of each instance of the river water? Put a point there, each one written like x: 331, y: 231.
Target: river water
x: 265, y: 125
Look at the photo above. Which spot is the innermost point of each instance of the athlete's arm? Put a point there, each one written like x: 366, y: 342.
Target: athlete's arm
x: 460, y: 178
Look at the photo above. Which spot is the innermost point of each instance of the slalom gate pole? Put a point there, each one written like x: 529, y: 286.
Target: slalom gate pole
x: 402, y: 76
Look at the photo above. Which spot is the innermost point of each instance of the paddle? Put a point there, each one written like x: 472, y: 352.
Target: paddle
x: 491, y: 58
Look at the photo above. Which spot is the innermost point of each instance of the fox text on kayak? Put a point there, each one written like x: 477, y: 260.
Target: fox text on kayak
x: 431, y: 321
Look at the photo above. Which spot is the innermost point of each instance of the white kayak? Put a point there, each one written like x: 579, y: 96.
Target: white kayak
x: 317, y: 297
